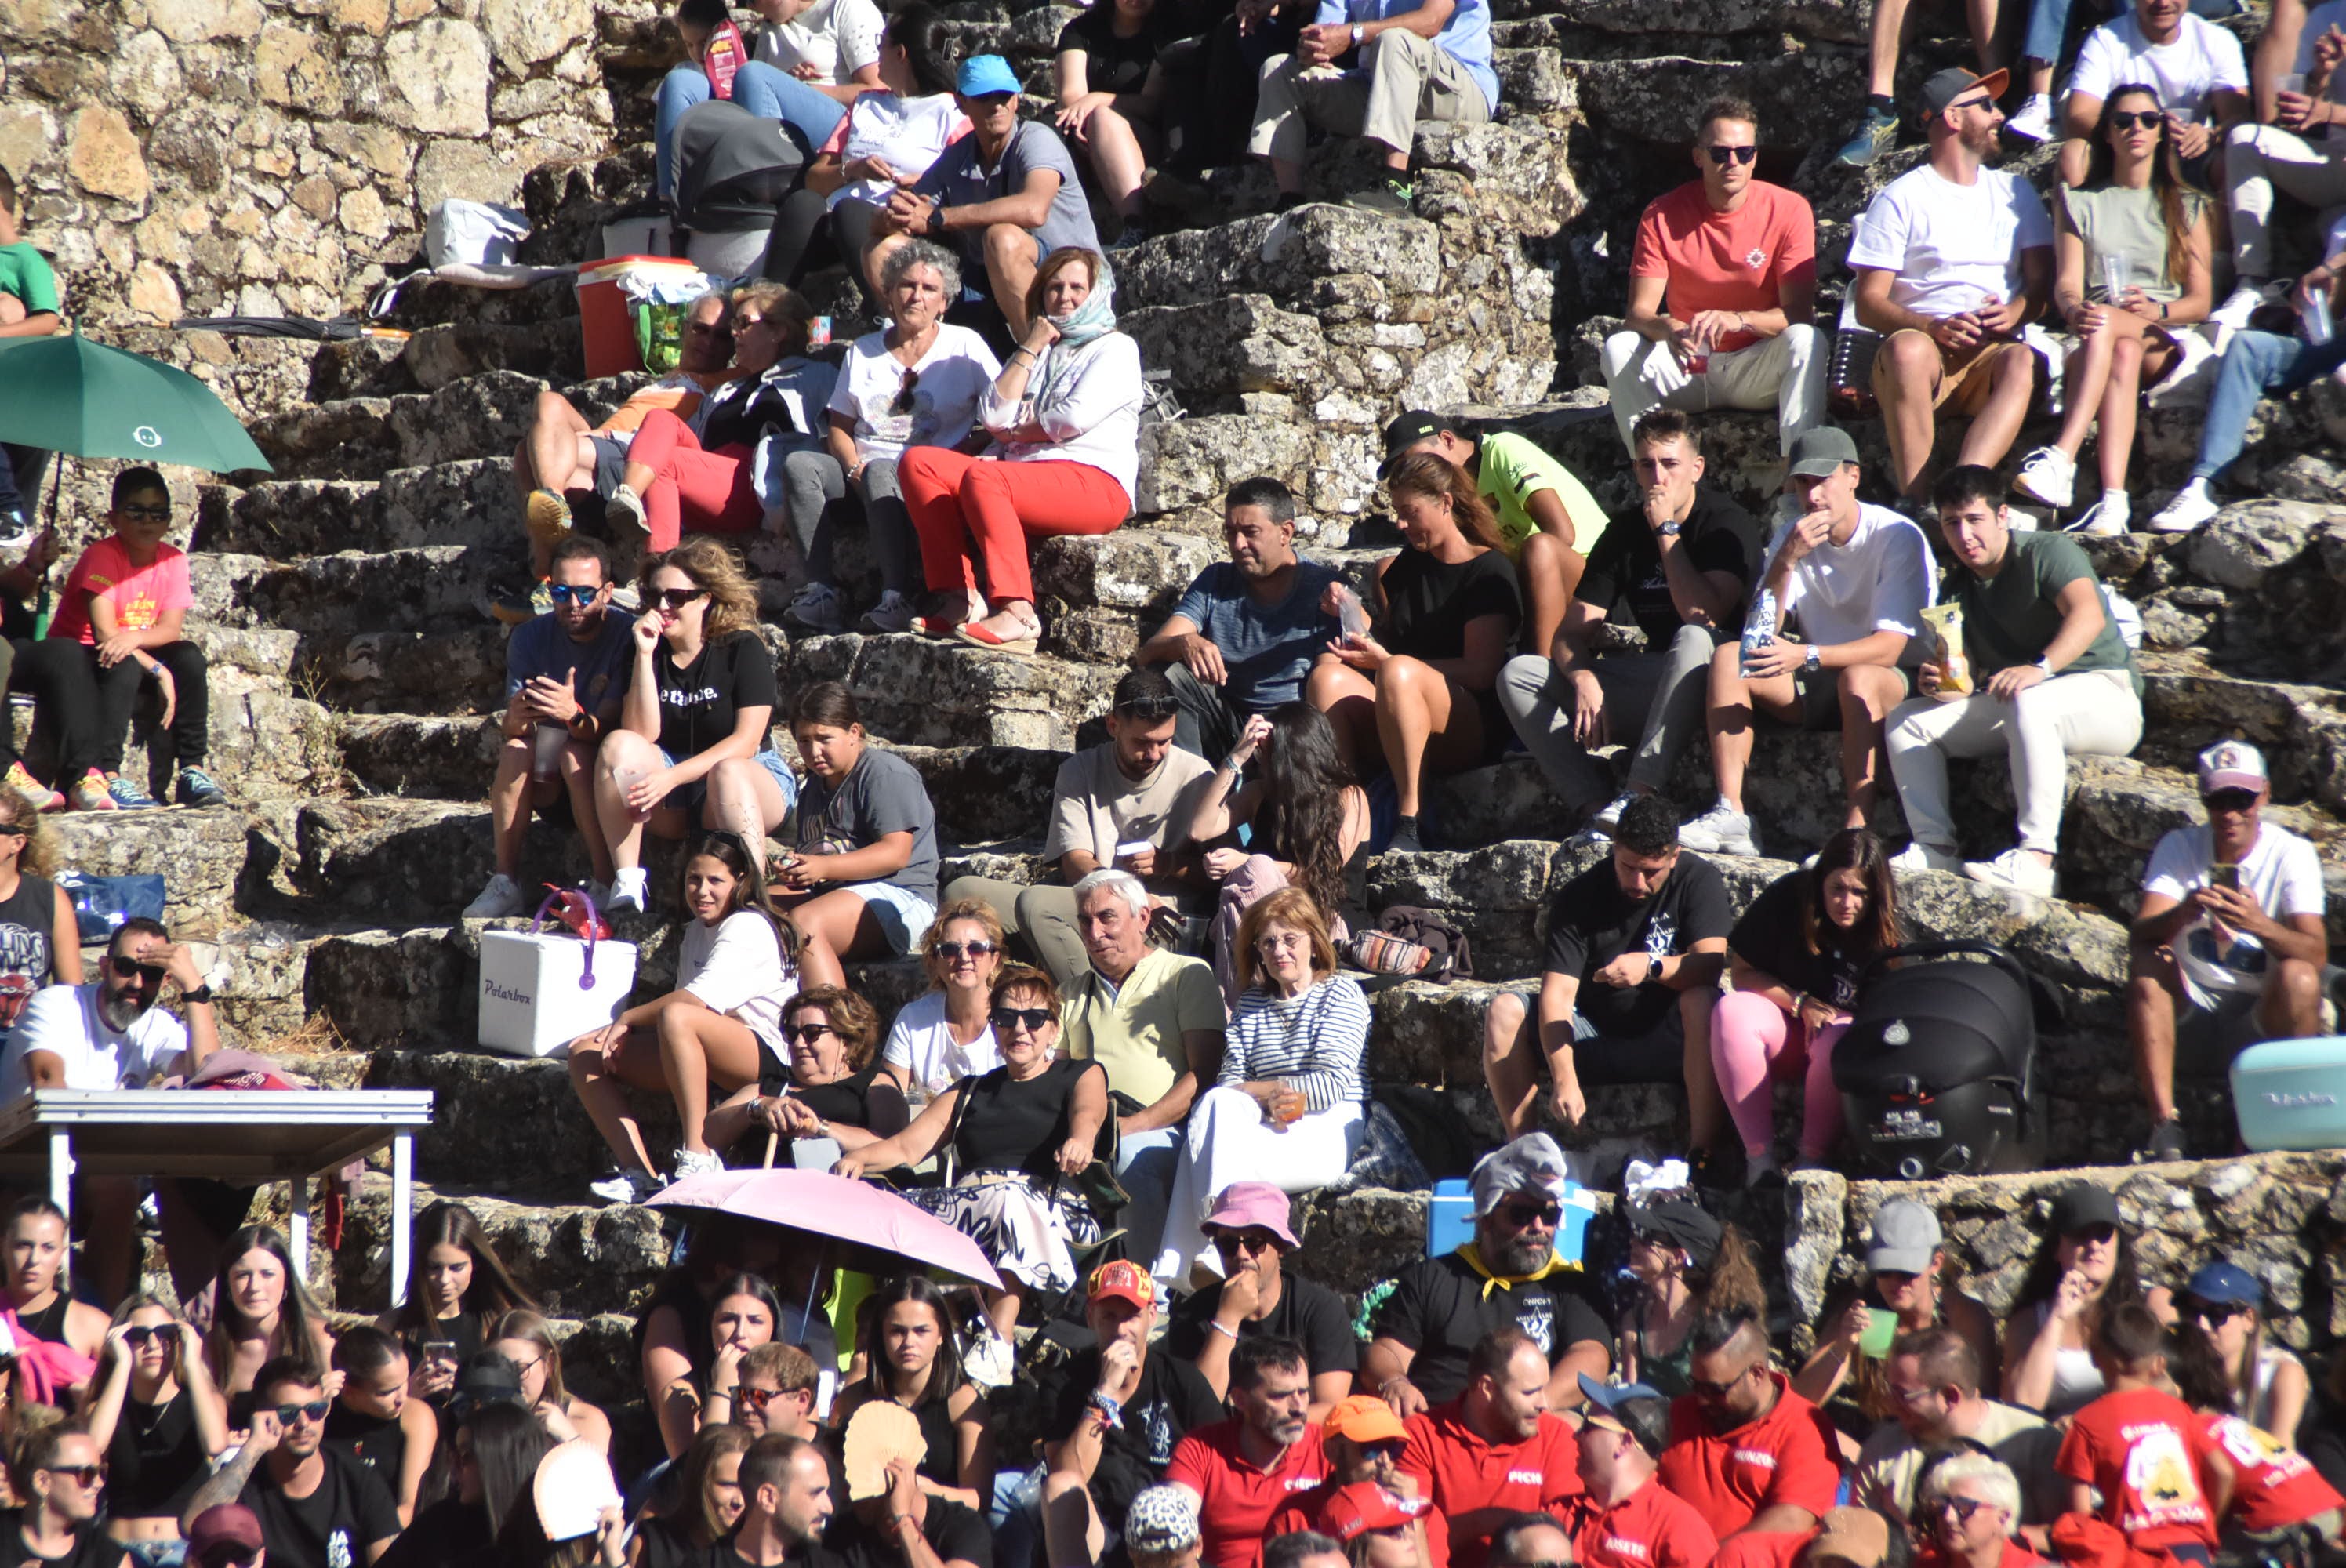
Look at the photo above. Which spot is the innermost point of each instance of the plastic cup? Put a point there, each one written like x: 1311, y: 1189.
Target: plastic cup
x: 1288, y: 1108
x: 2313, y: 318
x: 1881, y: 1331
x: 627, y: 778
x: 2118, y: 267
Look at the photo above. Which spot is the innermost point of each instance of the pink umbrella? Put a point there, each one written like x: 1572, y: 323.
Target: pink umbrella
x: 824, y: 1204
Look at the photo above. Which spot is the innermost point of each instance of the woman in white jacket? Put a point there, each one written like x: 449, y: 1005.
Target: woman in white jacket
x: 1065, y: 414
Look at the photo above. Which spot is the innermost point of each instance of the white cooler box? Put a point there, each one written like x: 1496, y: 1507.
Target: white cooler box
x: 531, y: 1000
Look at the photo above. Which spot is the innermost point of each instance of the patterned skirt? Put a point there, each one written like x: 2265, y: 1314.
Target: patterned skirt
x: 1024, y: 1231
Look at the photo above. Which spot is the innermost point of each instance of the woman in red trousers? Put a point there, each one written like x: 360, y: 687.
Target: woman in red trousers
x: 1065, y: 414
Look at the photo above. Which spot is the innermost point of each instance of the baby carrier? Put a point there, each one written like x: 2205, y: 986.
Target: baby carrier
x: 1936, y: 1068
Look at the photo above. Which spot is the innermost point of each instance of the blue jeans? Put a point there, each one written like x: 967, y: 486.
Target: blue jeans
x: 1144, y: 1167
x: 2255, y: 363
x: 764, y: 91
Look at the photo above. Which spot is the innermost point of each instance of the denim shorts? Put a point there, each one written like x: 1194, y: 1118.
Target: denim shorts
x: 903, y: 915
x: 688, y: 798
x: 156, y: 1554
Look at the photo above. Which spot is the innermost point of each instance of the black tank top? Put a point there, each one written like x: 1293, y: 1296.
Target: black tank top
x: 155, y: 1462
x: 49, y: 1322
x: 377, y: 1444
x: 27, y: 917
x: 1007, y: 1125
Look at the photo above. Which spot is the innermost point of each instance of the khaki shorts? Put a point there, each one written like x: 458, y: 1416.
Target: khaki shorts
x: 1966, y: 379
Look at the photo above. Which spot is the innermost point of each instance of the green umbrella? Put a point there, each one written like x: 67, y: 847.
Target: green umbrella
x: 68, y: 394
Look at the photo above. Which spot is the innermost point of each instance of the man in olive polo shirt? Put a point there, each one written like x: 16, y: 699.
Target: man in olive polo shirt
x: 1154, y: 1021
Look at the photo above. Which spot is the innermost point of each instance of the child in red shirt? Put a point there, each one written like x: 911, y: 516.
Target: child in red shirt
x: 2275, y: 1488
x: 2162, y: 1483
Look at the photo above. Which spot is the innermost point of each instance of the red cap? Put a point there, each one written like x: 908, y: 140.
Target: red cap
x: 216, y: 1532
x: 1353, y: 1510
x: 1123, y: 1280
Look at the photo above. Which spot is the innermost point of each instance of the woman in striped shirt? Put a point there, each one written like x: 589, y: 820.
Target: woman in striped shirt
x: 1287, y: 1108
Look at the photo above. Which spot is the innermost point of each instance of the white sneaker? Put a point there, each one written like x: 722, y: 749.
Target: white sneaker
x: 2048, y: 475
x: 1608, y: 816
x: 623, y: 516
x: 630, y: 890
x: 626, y: 1186
x: 2015, y: 870
x: 892, y: 613
x: 501, y: 899
x: 2107, y: 518
x: 817, y: 608
x: 698, y: 1161
x: 2247, y: 298
x: 2191, y: 508
x: 1919, y: 855
x: 1722, y: 830
x: 2034, y: 120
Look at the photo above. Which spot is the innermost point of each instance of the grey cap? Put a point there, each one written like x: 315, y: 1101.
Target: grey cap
x: 1905, y: 1237
x: 1821, y: 452
x: 1532, y: 1163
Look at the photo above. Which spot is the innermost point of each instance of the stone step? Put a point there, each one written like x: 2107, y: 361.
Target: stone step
x: 330, y: 597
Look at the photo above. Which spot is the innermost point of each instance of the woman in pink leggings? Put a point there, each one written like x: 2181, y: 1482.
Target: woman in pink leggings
x: 1065, y: 414
x: 1794, y: 960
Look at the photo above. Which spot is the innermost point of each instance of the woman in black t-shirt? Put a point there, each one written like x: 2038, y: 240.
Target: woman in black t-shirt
x: 1795, y: 957
x: 910, y: 1344
x: 40, y: 943
x: 694, y: 744
x: 461, y: 1288
x: 835, y: 1086
x: 1111, y: 93
x: 156, y: 1417
x: 1421, y: 687
x: 1012, y: 1137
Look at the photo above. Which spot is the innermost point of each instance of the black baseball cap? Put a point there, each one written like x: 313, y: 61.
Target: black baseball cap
x: 1682, y: 1224
x: 1944, y: 88
x: 1405, y: 432
x: 2082, y: 1205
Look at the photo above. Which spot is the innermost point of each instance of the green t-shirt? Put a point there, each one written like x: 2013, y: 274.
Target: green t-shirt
x: 2013, y: 618
x: 1509, y: 471
x: 25, y: 274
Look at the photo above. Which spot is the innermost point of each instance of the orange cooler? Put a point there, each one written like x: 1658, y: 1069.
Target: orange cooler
x: 605, y: 320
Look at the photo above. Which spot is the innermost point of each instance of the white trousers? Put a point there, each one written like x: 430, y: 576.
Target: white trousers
x: 1785, y: 373
x: 2094, y: 713
x: 1228, y: 1141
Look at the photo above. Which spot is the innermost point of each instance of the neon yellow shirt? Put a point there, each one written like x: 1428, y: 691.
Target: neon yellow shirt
x: 1509, y: 471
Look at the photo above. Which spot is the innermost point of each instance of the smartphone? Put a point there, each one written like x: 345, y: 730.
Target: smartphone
x: 440, y: 1352
x: 2225, y: 875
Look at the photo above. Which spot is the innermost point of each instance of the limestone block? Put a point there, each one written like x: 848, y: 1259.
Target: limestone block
x: 479, y: 417
x: 523, y: 34
x: 103, y: 155
x: 438, y: 74
x: 193, y: 21
x: 400, y: 754
x: 2247, y: 541
x: 202, y: 853
x: 1194, y: 462
x: 143, y: 75
x: 1131, y: 568
x: 986, y: 793
x: 1242, y: 343
x: 1281, y: 256
x: 921, y: 692
x: 289, y: 70
x: 1497, y: 895
x: 503, y: 1123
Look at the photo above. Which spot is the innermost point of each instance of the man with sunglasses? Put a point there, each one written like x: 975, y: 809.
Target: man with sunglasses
x: 1123, y: 804
x: 1250, y: 1232
x: 2228, y: 946
x: 1244, y: 1469
x: 1953, y: 259
x: 1508, y: 1276
x: 108, y: 1033
x: 319, y: 1507
x: 1933, y: 1378
x: 1746, y: 1452
x: 1496, y: 1449
x: 1722, y: 292
x: 1364, y: 1442
x: 565, y: 676
x: 1625, y: 1517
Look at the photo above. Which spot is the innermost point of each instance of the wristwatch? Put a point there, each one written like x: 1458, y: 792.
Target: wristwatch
x: 2045, y: 664
x: 1815, y: 659
x: 201, y: 994
x: 1667, y: 530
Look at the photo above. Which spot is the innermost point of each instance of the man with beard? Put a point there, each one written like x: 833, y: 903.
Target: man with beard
x: 1244, y: 636
x: 1507, y: 1277
x: 319, y: 1507
x: 1243, y: 1469
x: 786, y: 1502
x: 108, y: 1034
x: 1745, y: 1450
x: 1364, y: 1442
x: 1494, y: 1451
x: 1250, y: 1229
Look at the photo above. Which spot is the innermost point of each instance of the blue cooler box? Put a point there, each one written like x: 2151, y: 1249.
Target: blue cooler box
x: 2291, y: 1094
x: 1449, y: 1218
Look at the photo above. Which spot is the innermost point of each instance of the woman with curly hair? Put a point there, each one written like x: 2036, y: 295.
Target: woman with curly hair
x: 693, y: 746
x: 830, y: 1085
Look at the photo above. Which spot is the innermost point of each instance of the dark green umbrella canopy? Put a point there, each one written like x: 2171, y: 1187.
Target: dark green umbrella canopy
x: 68, y: 394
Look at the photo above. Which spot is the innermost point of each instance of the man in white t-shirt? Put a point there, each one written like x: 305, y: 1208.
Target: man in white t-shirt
x: 2295, y: 142
x: 2201, y: 76
x: 1952, y: 259
x: 1854, y: 579
x: 2230, y: 934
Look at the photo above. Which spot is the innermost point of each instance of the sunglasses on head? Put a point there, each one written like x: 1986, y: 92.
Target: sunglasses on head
x: 2129, y: 119
x: 315, y: 1410
x: 1030, y: 1019
x: 949, y: 951
x: 130, y: 968
x: 1516, y: 1212
x: 83, y: 1474
x: 677, y: 598
x: 567, y: 594
x: 2228, y: 800
x: 15, y: 830
x: 756, y: 1398
x: 807, y: 1034
x: 146, y: 513
x: 1723, y: 156
x: 903, y: 399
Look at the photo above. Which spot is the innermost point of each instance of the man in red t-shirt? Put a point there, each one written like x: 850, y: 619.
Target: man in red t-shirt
x: 1494, y: 1451
x: 1844, y: 1538
x: 1722, y: 285
x: 2162, y: 1482
x: 1242, y: 1470
x: 1626, y: 1517
x: 1364, y: 1442
x: 1746, y: 1451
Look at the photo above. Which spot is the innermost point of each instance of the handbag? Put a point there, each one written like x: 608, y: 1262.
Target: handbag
x: 102, y: 904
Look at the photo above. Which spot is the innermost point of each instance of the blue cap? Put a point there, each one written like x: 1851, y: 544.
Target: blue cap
x: 1606, y: 1396
x: 2228, y: 1283
x: 984, y: 74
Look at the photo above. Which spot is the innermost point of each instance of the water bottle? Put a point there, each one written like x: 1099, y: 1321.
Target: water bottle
x: 2313, y: 317
x: 1759, y: 629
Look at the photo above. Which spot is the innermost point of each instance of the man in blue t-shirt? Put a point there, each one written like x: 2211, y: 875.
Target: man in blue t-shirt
x: 565, y: 674
x: 1243, y: 638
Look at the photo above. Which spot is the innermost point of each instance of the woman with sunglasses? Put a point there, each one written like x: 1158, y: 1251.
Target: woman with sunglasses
x: 1065, y: 416
x: 2133, y: 221
x: 916, y: 382
x: 40, y: 942
x: 159, y: 1420
x: 943, y: 1035
x: 262, y: 1310
x: 694, y: 747
x: 461, y: 1288
x: 526, y: 1339
x: 707, y: 1505
x: 831, y: 1085
x: 1012, y: 1137
x: 1288, y: 1107
x: 2268, y: 1384
x: 745, y: 1314
x: 1684, y: 1266
x: 1969, y: 1514
x: 718, y: 481
x: 2084, y: 1267
x: 738, y: 966
x: 915, y: 1359
x: 863, y: 878
x: 62, y: 1476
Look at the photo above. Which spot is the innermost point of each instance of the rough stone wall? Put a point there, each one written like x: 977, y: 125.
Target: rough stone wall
x: 275, y: 156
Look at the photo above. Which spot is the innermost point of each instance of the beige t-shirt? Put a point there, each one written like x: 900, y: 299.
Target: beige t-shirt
x: 1094, y: 808
x: 1891, y: 1462
x: 1134, y: 1030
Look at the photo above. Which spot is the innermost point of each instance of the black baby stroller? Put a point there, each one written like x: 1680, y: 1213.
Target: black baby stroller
x: 1937, y: 1066
x: 733, y: 172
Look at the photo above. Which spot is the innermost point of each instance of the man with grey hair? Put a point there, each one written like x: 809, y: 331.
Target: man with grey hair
x: 1154, y: 1021
x: 1508, y: 1276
